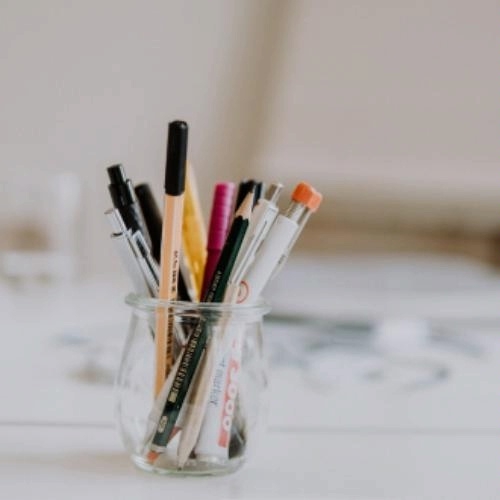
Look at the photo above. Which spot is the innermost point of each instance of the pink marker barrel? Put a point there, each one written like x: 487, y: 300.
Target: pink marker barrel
x: 220, y: 220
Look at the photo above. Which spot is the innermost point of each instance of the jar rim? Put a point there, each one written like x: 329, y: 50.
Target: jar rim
x: 138, y: 301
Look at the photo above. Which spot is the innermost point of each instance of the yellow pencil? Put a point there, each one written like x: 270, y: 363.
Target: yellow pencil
x: 194, y: 234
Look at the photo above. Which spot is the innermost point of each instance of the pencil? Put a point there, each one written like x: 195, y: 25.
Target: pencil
x: 194, y: 234
x: 215, y: 292
x: 199, y: 396
x: 175, y: 172
x: 197, y: 342
x: 245, y: 186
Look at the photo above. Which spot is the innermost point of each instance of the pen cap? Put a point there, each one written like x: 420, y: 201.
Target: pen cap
x: 221, y: 215
x: 305, y: 194
x: 120, y: 188
x: 175, y: 171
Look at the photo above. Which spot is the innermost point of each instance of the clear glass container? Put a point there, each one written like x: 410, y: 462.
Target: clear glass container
x: 215, y: 425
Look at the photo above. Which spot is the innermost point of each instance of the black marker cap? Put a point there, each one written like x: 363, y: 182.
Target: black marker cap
x: 175, y: 171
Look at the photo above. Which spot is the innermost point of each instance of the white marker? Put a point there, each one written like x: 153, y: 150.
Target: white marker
x: 215, y: 433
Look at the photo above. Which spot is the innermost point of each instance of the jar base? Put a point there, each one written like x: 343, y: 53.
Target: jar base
x: 193, y: 467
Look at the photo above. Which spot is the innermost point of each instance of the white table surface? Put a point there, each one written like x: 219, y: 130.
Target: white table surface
x: 333, y: 433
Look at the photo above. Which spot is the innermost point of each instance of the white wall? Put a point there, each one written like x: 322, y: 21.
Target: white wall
x: 85, y: 84
x: 381, y: 100
x: 390, y: 99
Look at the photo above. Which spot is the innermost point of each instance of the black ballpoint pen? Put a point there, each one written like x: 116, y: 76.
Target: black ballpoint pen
x: 125, y: 201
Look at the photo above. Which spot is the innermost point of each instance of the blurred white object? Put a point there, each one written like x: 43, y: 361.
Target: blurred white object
x: 40, y: 227
x: 373, y: 288
x: 401, y: 335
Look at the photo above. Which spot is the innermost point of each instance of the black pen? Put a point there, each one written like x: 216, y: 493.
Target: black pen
x: 124, y: 200
x: 152, y: 218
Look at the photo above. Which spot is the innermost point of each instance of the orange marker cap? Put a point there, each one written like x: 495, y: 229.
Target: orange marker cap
x: 304, y: 193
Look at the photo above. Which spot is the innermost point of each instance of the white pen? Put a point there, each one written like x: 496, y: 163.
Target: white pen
x: 280, y: 239
x: 263, y: 216
x: 122, y: 243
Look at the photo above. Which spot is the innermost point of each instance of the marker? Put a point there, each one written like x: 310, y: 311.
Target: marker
x: 214, y: 436
x: 194, y: 234
x: 196, y: 345
x: 123, y: 197
x: 215, y: 431
x: 204, y: 377
x: 277, y: 245
x: 175, y: 172
x: 220, y: 221
x: 229, y: 254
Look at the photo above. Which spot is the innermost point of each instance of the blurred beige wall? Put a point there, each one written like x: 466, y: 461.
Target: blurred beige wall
x: 391, y: 107
x: 89, y: 83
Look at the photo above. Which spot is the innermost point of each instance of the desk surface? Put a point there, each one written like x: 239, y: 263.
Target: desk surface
x: 367, y: 431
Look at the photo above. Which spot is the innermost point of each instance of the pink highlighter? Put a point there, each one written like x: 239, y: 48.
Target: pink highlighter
x: 220, y: 220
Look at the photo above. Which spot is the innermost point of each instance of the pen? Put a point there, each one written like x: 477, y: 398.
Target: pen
x: 302, y: 191
x: 124, y: 199
x: 196, y: 345
x: 277, y: 245
x: 220, y: 220
x: 126, y: 253
x: 146, y: 261
x: 194, y: 235
x: 175, y: 172
x: 152, y: 217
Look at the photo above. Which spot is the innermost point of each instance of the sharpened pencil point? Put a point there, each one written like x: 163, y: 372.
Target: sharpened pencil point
x: 245, y: 209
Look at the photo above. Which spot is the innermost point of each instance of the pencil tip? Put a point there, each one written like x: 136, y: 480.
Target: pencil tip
x: 245, y: 209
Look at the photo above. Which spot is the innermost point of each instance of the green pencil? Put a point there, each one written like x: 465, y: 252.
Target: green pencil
x: 198, y: 338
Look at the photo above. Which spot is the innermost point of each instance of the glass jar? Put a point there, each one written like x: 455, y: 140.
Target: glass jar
x: 205, y: 422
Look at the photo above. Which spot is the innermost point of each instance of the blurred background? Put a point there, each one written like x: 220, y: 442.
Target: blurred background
x: 391, y: 108
x: 386, y: 317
